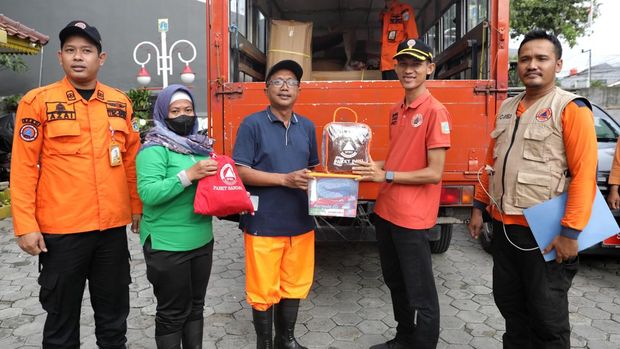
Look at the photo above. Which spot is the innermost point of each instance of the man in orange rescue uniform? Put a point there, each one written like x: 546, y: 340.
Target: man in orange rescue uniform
x: 543, y: 145
x: 398, y: 21
x: 73, y: 191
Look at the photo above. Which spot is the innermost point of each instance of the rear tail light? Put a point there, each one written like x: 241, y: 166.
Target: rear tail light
x: 457, y: 195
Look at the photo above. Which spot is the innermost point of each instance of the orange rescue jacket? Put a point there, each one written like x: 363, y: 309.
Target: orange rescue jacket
x: 62, y: 180
x: 398, y: 25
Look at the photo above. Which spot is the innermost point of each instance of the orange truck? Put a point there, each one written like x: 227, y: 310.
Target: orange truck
x: 470, y: 38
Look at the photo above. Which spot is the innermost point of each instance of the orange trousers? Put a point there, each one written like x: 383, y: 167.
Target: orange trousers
x: 278, y: 267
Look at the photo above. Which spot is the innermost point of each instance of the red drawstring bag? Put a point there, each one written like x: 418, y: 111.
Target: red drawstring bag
x: 222, y: 194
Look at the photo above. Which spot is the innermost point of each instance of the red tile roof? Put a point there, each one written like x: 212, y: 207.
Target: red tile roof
x: 14, y: 28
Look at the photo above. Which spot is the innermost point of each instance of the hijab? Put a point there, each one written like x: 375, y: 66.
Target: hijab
x: 161, y: 135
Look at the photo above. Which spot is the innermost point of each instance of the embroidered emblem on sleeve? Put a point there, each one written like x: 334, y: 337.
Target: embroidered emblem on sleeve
x: 135, y: 125
x: 29, y: 130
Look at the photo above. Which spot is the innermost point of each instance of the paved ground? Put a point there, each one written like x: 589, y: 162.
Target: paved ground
x: 349, y: 306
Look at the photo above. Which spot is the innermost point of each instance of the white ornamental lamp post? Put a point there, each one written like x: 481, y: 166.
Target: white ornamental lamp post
x: 164, y: 58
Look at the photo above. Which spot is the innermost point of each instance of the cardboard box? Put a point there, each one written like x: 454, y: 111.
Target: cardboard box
x: 334, y: 196
x: 291, y: 40
x: 346, y: 75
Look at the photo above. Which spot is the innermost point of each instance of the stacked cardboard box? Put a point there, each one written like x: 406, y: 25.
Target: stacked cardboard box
x: 291, y: 40
x: 346, y: 75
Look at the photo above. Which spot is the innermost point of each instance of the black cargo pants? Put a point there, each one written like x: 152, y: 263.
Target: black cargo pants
x: 531, y: 294
x: 102, y: 258
x: 408, y: 272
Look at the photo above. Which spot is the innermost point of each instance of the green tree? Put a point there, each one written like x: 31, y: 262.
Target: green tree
x: 9, y: 61
x: 564, y: 18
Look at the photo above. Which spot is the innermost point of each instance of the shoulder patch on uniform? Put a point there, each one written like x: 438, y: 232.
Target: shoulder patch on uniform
x: 135, y: 125
x: 580, y: 102
x: 28, y: 133
x: 31, y: 121
x: 445, y: 127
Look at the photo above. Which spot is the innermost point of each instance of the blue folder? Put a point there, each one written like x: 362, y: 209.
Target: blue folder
x: 544, y: 220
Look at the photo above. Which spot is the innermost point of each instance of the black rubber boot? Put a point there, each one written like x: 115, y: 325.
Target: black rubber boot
x: 169, y: 341
x: 192, y: 334
x: 285, y: 319
x: 263, y: 321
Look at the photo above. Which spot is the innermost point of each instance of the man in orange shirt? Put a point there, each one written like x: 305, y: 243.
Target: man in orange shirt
x: 543, y: 144
x: 398, y: 25
x: 73, y: 191
x: 408, y: 201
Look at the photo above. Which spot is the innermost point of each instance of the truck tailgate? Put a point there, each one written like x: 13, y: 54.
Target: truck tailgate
x: 471, y: 114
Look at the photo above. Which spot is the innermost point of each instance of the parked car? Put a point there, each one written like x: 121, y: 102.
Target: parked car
x: 607, y: 133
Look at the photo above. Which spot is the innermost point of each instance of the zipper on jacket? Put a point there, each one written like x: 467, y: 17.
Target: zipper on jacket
x: 512, y: 141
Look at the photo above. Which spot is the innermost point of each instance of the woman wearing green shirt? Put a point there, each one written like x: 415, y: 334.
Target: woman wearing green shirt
x: 177, y: 243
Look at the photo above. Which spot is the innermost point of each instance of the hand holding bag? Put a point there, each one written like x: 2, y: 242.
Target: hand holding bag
x: 222, y: 194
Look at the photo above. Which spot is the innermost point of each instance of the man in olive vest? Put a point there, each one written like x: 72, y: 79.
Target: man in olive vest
x: 543, y: 145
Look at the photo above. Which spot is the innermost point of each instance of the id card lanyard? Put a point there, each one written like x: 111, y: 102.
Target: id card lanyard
x: 115, y: 151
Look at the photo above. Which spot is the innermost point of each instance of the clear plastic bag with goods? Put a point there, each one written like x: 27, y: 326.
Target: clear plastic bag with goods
x: 343, y: 143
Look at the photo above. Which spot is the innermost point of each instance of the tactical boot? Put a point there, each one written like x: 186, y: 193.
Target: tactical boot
x: 285, y: 319
x: 263, y: 321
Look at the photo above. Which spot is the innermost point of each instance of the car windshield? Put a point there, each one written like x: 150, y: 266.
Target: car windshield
x: 607, y: 129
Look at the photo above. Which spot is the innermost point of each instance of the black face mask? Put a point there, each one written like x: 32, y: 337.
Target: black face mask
x: 181, y: 125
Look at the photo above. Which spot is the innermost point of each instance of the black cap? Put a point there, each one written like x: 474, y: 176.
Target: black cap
x: 414, y: 48
x: 80, y: 28
x: 286, y: 64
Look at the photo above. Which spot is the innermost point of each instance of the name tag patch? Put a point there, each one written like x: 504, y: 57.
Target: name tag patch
x: 116, y: 109
x: 394, y: 119
x: 60, y: 111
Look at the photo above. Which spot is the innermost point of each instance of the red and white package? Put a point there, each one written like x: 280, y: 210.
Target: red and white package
x: 222, y: 194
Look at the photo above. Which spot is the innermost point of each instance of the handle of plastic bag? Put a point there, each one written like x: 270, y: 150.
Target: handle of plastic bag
x: 347, y: 108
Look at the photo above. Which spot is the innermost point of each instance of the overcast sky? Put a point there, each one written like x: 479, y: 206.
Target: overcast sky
x: 604, y: 40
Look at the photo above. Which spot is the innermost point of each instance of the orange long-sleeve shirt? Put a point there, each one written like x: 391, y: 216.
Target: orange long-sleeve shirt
x: 614, y: 175
x: 581, y: 155
x: 62, y: 180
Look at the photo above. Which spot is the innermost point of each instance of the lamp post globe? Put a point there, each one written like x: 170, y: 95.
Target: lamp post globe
x: 144, y: 78
x: 187, y: 76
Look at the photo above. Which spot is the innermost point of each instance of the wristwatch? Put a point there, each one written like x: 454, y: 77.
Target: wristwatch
x: 389, y: 176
